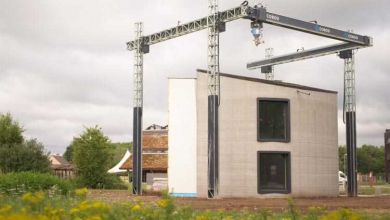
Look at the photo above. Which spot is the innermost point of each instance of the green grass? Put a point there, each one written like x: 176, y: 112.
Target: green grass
x: 385, y: 190
x: 368, y: 190
x: 18, y: 183
x: 42, y: 205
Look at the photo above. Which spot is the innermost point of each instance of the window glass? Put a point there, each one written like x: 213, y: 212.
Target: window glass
x: 273, y: 120
x: 274, y: 173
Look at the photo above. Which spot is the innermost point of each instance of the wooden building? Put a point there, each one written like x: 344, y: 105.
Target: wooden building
x: 154, y: 154
x: 61, y: 167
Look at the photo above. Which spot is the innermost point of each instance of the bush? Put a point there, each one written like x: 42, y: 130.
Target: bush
x: 91, y: 156
x: 18, y: 183
x: 109, y: 182
x: 114, y: 182
x: 18, y: 154
x: 28, y: 156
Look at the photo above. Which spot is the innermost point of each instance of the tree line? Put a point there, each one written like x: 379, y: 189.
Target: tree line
x: 370, y: 158
x: 91, y: 152
x: 18, y: 153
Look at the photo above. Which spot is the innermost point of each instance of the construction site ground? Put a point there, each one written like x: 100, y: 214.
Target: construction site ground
x: 363, y: 203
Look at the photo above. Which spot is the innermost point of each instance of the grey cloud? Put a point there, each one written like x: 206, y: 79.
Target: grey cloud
x: 64, y: 64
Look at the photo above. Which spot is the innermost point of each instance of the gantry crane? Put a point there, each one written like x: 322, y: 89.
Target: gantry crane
x: 215, y: 22
x: 268, y: 70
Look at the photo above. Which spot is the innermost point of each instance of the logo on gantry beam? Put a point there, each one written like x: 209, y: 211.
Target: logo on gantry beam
x: 322, y: 29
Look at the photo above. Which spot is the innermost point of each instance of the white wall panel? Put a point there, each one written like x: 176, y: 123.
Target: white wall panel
x: 182, y: 137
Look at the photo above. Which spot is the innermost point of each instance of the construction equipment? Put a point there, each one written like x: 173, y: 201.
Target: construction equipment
x: 137, y: 111
x: 268, y: 70
x: 216, y: 23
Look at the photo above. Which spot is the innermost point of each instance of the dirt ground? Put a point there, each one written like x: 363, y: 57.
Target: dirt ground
x: 371, y: 204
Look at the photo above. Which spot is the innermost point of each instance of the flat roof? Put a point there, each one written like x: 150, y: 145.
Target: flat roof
x: 272, y: 82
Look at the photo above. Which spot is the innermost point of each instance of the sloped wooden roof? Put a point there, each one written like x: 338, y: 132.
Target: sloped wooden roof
x: 149, y: 162
x: 60, y: 159
x: 155, y: 139
x: 62, y: 164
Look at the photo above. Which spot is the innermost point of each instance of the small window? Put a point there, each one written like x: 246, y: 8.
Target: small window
x: 273, y: 172
x: 273, y: 122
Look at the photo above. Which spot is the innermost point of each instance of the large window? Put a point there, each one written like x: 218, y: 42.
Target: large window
x: 273, y: 120
x: 273, y: 172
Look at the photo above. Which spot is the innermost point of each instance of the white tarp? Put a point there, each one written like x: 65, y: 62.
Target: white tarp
x: 116, y: 169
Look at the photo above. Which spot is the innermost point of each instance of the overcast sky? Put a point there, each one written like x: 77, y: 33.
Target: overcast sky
x: 64, y: 64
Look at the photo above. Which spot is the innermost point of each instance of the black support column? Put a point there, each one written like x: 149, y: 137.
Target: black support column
x: 387, y: 155
x: 213, y: 151
x: 350, y: 123
x: 137, y: 150
x: 350, y: 119
x: 140, y: 49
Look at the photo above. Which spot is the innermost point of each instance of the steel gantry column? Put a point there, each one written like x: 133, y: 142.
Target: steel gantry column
x: 350, y: 119
x: 268, y: 70
x: 137, y: 111
x: 213, y: 98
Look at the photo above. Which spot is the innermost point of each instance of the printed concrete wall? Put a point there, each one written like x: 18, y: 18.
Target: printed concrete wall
x: 313, y: 146
x: 182, y: 137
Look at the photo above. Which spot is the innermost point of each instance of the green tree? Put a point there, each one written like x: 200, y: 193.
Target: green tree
x: 342, y: 158
x: 10, y: 131
x: 68, y: 155
x: 91, y: 156
x: 116, y: 149
x: 369, y: 158
x: 17, y: 154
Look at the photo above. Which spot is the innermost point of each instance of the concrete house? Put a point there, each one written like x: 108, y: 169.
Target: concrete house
x: 275, y: 138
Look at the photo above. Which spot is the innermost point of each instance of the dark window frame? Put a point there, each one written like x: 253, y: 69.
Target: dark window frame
x: 288, y: 130
x: 288, y: 178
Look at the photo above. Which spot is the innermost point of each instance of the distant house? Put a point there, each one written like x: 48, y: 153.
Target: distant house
x: 61, y: 167
x: 154, y: 154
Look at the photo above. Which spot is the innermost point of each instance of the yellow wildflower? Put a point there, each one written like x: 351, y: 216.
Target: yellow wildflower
x: 74, y: 211
x: 33, y: 198
x: 100, y: 206
x: 43, y: 217
x: 5, y: 208
x: 341, y: 214
x: 95, y: 217
x: 201, y: 217
x: 163, y: 203
x: 83, y: 205
x: 58, y: 212
x: 18, y: 217
x: 54, y: 214
x: 136, y: 208
x: 82, y: 193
